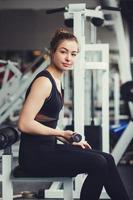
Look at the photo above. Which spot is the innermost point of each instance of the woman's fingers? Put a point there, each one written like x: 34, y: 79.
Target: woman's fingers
x: 87, y: 145
x: 82, y: 144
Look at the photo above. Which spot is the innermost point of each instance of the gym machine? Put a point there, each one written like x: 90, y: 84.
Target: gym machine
x: 10, y: 77
x: 13, y: 89
x: 79, y: 13
x: 127, y: 135
x: 122, y: 36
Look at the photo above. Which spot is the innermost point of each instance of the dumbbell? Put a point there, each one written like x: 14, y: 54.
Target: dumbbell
x: 76, y: 137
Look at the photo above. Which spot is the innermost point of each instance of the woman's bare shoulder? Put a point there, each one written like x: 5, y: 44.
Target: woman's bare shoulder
x: 41, y: 86
x: 42, y: 82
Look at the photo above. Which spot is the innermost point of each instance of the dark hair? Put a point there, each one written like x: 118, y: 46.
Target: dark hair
x: 60, y: 35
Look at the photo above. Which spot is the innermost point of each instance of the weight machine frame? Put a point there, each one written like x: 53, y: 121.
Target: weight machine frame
x: 79, y: 13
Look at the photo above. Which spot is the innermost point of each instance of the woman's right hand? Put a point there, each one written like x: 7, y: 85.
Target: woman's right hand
x: 67, y: 134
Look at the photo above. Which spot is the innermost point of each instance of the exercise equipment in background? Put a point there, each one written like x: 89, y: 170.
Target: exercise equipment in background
x: 93, y: 132
x: 127, y: 134
x: 8, y: 136
x: 13, y: 90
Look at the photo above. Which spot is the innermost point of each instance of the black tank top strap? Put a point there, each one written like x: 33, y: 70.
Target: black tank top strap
x: 43, y: 73
x: 46, y: 73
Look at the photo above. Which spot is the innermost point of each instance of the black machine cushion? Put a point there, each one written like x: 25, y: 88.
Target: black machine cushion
x: 19, y: 173
x: 127, y: 91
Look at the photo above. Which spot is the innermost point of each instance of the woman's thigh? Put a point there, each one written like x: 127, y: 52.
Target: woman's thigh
x: 64, y: 160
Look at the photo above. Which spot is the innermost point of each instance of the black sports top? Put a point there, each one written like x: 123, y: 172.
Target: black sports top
x: 49, y: 112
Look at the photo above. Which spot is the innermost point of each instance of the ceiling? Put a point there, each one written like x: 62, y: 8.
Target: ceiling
x: 25, y: 24
x: 43, y: 4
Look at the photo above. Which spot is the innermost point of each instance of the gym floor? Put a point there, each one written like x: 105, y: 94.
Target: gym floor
x: 126, y: 172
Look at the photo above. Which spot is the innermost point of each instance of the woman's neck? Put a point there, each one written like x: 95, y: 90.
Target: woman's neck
x: 57, y: 74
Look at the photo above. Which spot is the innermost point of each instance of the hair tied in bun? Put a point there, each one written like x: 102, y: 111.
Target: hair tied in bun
x: 61, y: 30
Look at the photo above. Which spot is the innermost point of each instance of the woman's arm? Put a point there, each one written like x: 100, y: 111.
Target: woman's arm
x: 40, y: 90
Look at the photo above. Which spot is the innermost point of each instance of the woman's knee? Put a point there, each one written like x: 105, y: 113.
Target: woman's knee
x: 109, y: 158
x: 102, y: 162
x: 98, y: 164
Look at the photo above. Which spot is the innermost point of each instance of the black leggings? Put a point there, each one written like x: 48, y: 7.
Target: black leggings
x: 65, y: 160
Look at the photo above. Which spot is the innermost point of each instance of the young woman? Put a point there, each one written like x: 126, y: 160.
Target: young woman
x: 39, y: 153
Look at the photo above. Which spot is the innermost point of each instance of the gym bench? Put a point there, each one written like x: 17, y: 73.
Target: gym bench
x: 7, y: 178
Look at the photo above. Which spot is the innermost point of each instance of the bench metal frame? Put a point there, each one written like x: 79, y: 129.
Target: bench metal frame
x: 7, y: 181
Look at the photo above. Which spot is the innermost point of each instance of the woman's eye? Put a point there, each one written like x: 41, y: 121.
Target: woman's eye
x: 63, y: 52
x: 74, y: 54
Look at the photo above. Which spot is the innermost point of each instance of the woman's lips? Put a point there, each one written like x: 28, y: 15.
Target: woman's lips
x: 66, y: 65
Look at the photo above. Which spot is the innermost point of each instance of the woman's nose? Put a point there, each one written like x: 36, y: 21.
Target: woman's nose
x: 68, y: 57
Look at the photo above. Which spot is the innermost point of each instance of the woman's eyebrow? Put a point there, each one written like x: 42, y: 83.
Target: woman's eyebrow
x: 68, y: 50
x: 64, y: 48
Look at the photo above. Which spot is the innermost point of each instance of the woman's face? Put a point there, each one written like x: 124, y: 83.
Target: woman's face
x: 64, y: 56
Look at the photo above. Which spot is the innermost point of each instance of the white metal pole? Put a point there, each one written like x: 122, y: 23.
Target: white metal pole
x: 105, y: 101
x: 116, y: 98
x: 7, y: 188
x: 79, y: 86
x: 79, y: 75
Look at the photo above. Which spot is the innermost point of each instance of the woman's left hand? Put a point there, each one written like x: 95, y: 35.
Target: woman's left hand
x: 82, y: 144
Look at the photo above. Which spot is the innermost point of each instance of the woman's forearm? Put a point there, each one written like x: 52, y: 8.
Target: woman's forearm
x: 34, y: 127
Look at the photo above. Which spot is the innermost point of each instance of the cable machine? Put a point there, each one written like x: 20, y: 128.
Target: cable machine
x: 78, y: 14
